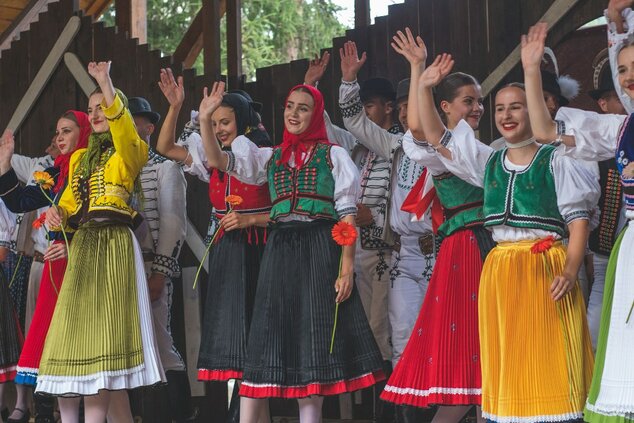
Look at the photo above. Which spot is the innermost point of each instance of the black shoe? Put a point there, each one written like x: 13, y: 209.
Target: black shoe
x: 26, y: 415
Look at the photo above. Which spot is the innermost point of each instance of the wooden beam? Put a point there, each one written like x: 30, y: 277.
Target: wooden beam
x: 192, y: 42
x: 95, y: 8
x: 211, y: 38
x: 234, y: 43
x: 361, y: 13
x: 131, y: 18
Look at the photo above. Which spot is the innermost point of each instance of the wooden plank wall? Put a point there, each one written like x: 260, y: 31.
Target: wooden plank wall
x: 479, y: 33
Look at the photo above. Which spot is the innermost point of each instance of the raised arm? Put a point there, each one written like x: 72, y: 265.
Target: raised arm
x: 7, y: 146
x: 430, y: 120
x: 415, y: 51
x: 210, y: 102
x: 316, y: 69
x: 174, y: 92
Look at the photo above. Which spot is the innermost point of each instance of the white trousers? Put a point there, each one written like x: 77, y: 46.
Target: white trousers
x: 595, y: 303
x: 161, y: 315
x: 372, y: 278
x: 409, y: 274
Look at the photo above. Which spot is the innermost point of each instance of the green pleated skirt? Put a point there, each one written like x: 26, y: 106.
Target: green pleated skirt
x: 101, y: 334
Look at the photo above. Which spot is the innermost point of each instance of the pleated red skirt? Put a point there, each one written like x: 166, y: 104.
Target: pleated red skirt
x: 29, y: 362
x: 441, y: 362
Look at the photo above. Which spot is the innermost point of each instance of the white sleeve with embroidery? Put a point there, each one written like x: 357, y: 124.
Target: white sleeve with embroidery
x: 248, y: 162
x: 347, y: 182
x: 577, y: 188
x: 596, y: 135
x: 423, y: 154
x: 194, y: 145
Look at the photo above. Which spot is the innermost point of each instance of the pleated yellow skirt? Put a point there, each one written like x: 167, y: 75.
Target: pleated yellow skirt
x: 536, y: 352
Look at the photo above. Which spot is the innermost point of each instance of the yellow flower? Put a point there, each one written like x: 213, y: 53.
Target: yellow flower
x: 43, y: 179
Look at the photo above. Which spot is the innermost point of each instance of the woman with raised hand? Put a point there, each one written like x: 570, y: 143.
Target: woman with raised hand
x: 73, y: 130
x: 441, y: 363
x: 101, y: 340
x: 304, y: 273
x: 533, y: 198
x: 593, y: 136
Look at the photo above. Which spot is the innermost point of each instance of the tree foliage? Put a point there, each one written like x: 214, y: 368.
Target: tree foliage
x: 273, y: 31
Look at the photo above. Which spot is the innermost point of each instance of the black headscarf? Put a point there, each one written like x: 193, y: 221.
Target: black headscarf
x: 247, y: 120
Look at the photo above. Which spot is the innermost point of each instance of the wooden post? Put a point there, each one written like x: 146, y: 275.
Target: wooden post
x: 131, y: 17
x: 211, y: 38
x: 234, y: 43
x: 361, y: 13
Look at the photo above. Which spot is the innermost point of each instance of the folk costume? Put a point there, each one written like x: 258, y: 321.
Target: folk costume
x: 527, y: 208
x: 441, y: 362
x: 312, y: 185
x: 234, y: 259
x: 414, y: 244
x: 101, y: 334
x: 24, y: 199
x: 10, y: 333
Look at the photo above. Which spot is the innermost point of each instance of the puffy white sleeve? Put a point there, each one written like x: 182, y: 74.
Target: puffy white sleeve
x: 347, y: 184
x: 248, y: 162
x: 193, y: 142
x: 7, y: 225
x: 596, y: 135
x: 22, y: 166
x: 469, y: 156
x: 339, y: 136
x: 423, y: 153
x: 614, y: 44
x: 577, y: 188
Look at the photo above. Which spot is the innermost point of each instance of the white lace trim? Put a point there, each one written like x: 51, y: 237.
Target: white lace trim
x: 28, y: 370
x: 433, y: 390
x: 273, y: 385
x: 620, y: 410
x: 533, y: 419
x: 7, y: 369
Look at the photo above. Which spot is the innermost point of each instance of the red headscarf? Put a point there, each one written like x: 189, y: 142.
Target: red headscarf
x: 62, y: 161
x: 315, y: 133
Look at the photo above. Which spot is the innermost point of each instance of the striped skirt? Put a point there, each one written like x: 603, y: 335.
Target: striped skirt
x: 10, y: 334
x: 101, y: 334
x: 611, y: 398
x: 536, y: 352
x: 289, y: 340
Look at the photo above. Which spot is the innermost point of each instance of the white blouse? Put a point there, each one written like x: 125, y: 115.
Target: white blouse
x: 249, y: 163
x: 423, y: 154
x: 7, y: 226
x: 576, y: 188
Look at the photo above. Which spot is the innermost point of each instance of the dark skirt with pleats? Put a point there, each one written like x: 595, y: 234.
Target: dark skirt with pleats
x: 10, y: 334
x: 288, y: 351
x: 234, y: 264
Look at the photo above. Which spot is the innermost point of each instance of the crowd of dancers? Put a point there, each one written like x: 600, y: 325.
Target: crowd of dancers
x: 463, y: 284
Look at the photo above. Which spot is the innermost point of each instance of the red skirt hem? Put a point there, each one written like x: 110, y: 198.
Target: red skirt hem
x: 322, y: 389
x: 218, y: 375
x: 7, y: 374
x: 425, y: 401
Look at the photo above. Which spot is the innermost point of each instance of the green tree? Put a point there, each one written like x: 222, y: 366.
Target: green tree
x: 273, y: 31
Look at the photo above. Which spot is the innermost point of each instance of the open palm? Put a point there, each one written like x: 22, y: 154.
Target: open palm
x: 435, y: 72
x: 211, y: 101
x: 533, y: 45
x: 7, y: 146
x: 351, y: 63
x: 414, y: 50
x: 173, y: 91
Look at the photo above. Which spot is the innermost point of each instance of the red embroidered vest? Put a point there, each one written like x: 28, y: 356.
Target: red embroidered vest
x: 255, y: 199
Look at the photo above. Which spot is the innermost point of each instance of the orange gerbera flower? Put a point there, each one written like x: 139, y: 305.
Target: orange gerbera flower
x: 543, y: 245
x: 43, y: 179
x: 39, y: 222
x: 233, y: 200
x: 344, y: 233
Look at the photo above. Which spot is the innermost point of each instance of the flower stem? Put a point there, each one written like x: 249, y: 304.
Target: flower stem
x: 15, y: 271
x: 334, y: 326
x: 202, y: 261
x: 50, y: 271
x: 61, y: 226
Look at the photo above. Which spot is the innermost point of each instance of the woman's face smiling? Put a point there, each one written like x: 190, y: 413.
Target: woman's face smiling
x: 511, y: 114
x: 298, y: 112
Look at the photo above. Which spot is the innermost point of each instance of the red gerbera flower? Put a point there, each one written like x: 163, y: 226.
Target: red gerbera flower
x: 39, y: 222
x: 233, y: 200
x: 344, y: 233
x: 543, y: 245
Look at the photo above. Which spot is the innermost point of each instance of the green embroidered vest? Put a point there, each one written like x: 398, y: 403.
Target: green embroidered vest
x: 522, y: 199
x: 307, y: 190
x: 461, y: 203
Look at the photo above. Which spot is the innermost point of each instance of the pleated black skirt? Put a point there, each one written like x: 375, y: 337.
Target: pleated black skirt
x: 10, y: 334
x: 288, y: 350
x: 234, y: 264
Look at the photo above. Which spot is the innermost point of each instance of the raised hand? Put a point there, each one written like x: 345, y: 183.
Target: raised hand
x: 211, y: 101
x: 316, y: 69
x: 532, y: 45
x: 100, y: 71
x: 414, y: 50
x: 7, y: 146
x: 350, y: 61
x: 437, y: 71
x: 173, y: 90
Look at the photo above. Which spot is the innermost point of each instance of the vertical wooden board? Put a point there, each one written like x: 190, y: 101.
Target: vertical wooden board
x: 459, y: 34
x: 8, y: 85
x: 531, y: 11
x: 82, y: 47
x: 426, y: 23
x: 377, y: 50
x: 400, y: 16
x: 22, y: 77
x: 329, y: 84
x: 267, y: 98
x: 504, y: 29
x: 281, y: 75
x: 443, y: 26
x: 477, y: 38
